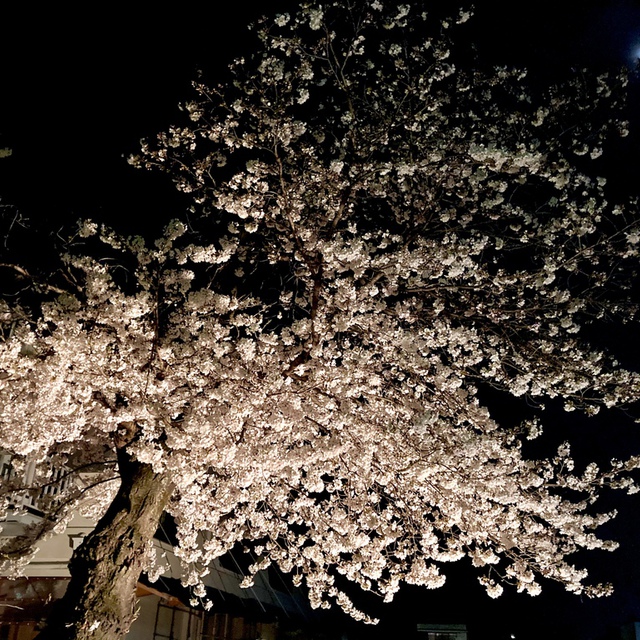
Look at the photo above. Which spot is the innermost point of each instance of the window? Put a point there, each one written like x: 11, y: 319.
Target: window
x: 217, y: 627
x: 173, y: 623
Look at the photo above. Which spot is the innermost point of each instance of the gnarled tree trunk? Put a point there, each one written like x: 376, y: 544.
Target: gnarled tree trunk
x: 99, y: 603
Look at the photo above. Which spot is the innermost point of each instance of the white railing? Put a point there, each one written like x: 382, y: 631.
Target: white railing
x: 31, y: 498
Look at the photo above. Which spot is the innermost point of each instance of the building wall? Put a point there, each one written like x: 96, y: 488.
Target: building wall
x: 54, y: 554
x: 46, y: 576
x: 156, y: 621
x: 142, y: 628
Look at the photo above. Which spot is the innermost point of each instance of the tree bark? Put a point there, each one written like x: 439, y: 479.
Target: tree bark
x: 99, y: 603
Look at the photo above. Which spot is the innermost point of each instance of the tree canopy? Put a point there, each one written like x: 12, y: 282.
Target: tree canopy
x: 378, y: 234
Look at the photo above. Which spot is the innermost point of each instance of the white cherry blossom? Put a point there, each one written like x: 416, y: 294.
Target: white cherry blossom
x: 381, y: 237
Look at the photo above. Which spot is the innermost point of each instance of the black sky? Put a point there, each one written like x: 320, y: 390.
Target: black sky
x: 79, y: 88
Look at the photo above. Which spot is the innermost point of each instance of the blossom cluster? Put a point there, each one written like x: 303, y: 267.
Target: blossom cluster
x: 382, y: 236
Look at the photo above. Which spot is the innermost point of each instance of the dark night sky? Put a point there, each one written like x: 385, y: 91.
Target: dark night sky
x: 77, y: 92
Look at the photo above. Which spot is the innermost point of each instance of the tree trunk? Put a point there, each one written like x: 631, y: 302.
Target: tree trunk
x: 99, y: 603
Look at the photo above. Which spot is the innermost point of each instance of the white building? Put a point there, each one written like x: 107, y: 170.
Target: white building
x: 164, y: 614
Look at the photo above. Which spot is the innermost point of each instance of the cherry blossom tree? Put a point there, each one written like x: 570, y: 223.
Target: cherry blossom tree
x: 377, y: 236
